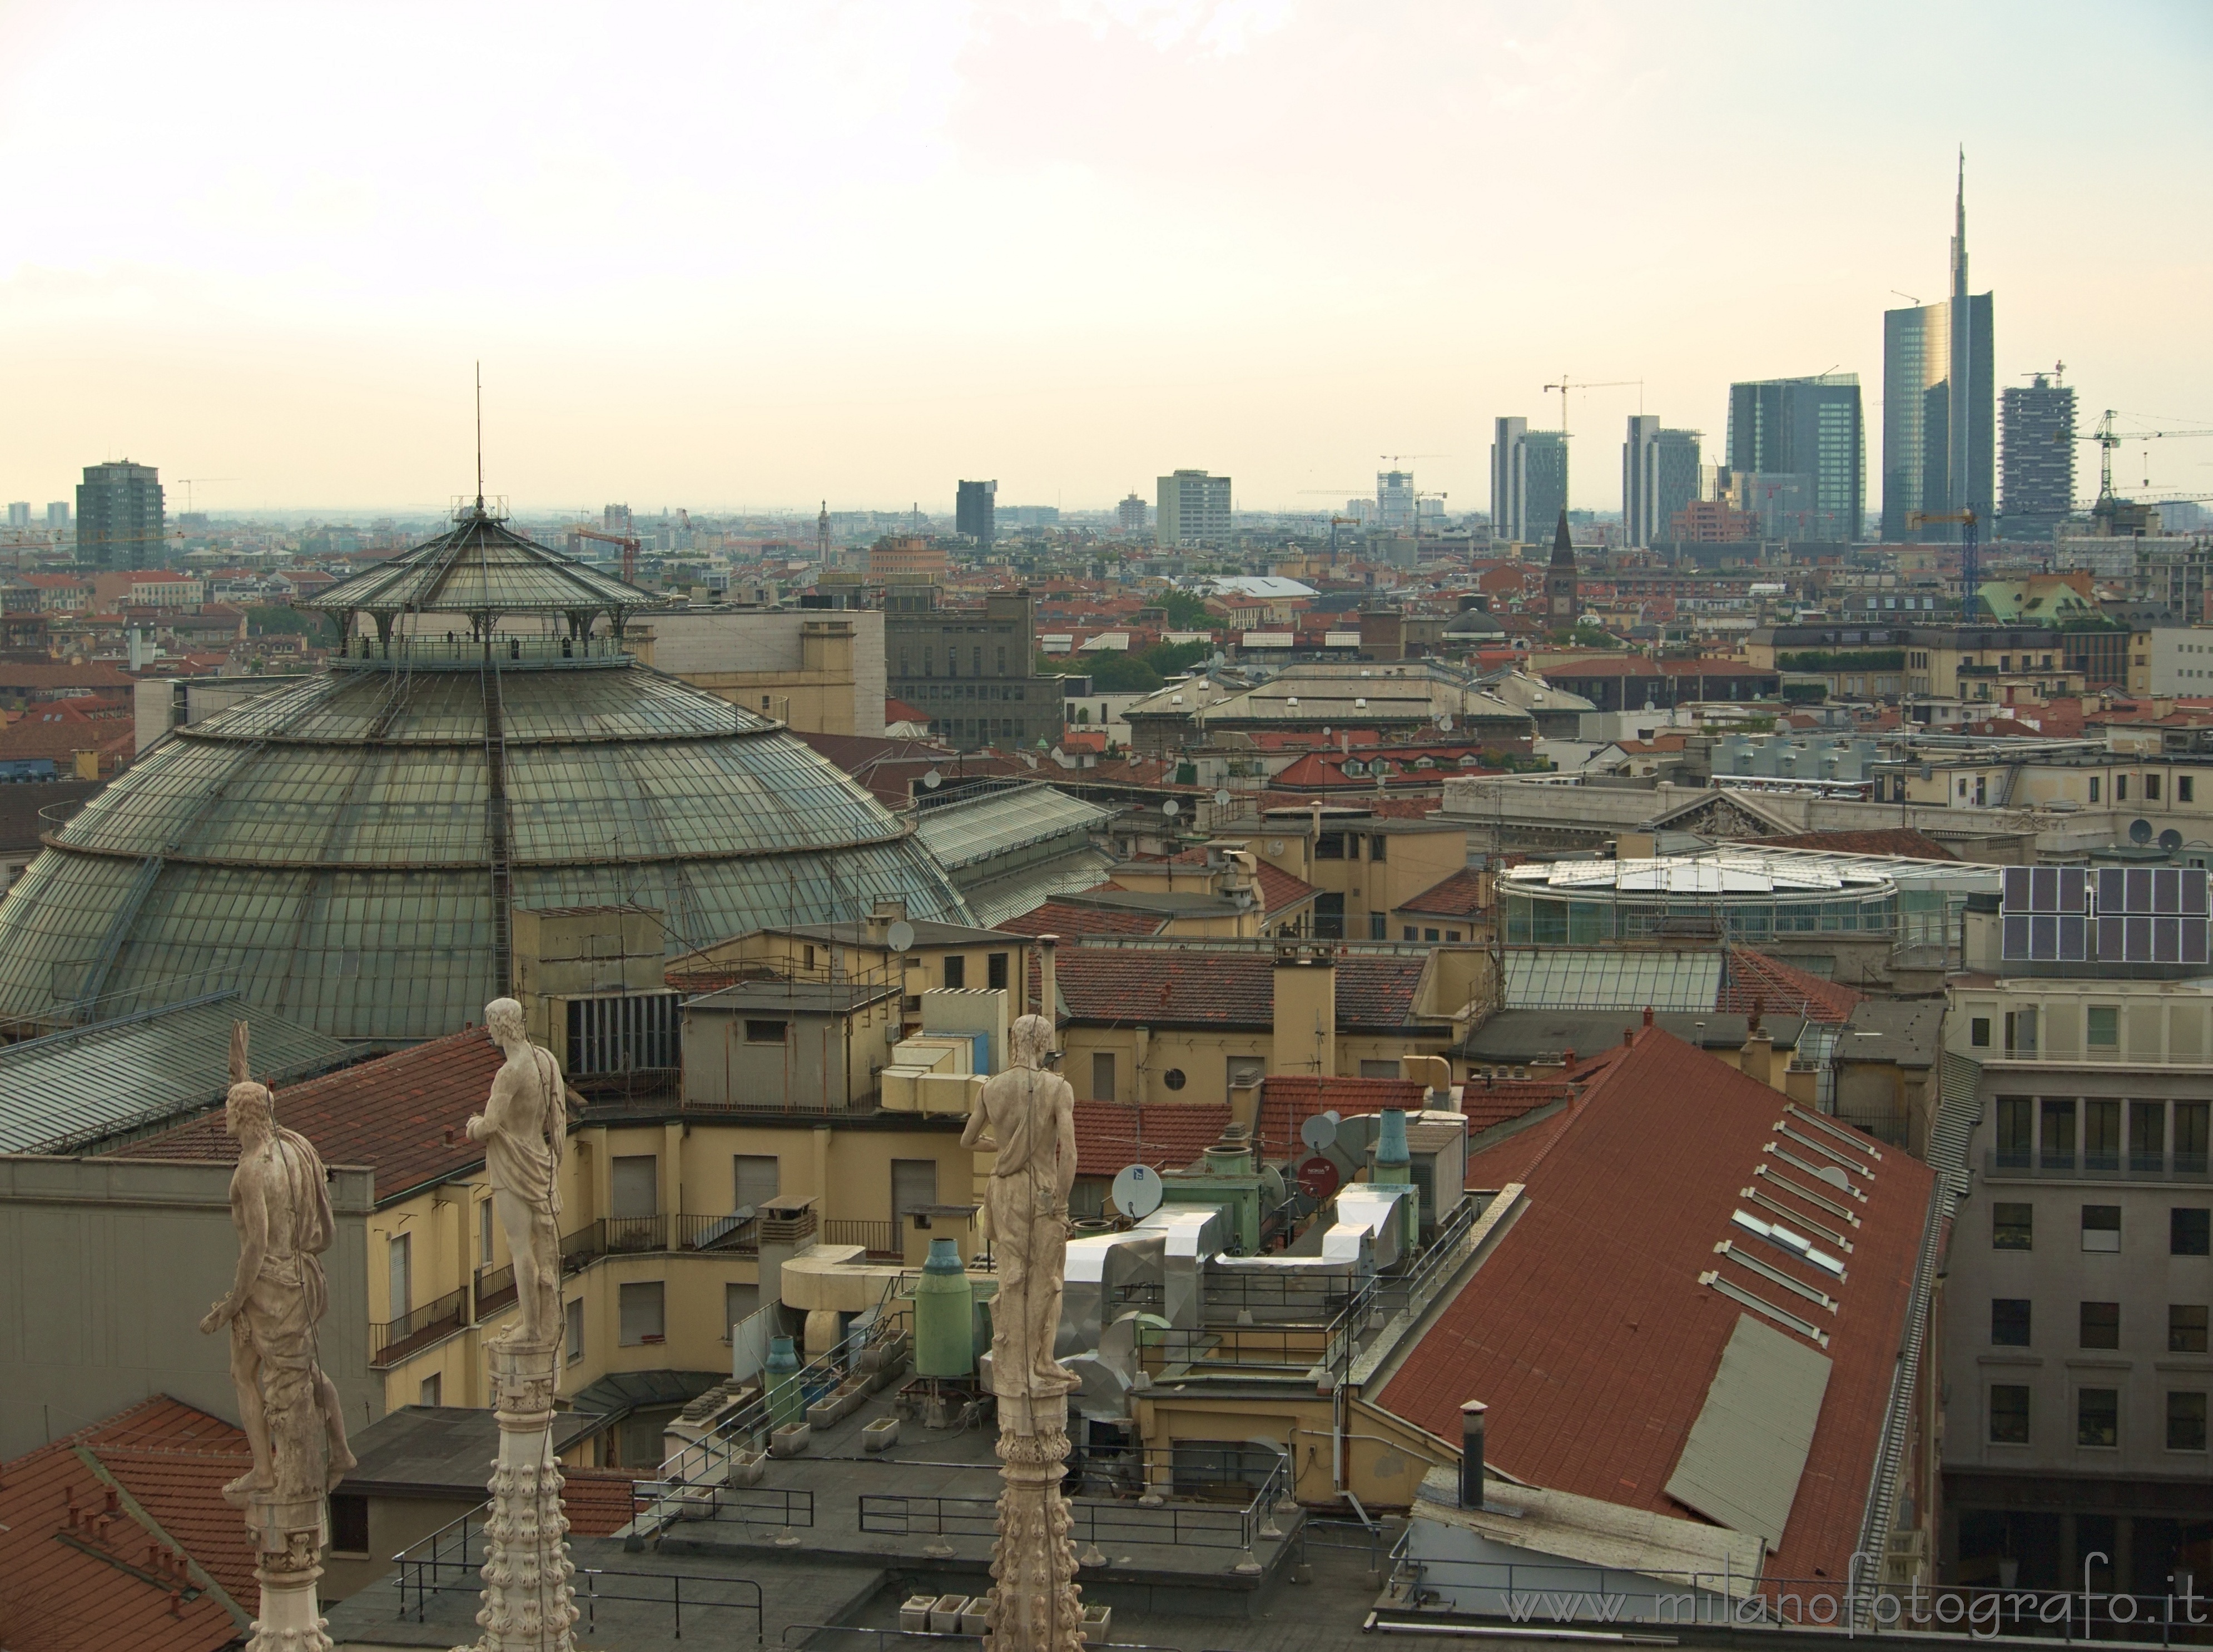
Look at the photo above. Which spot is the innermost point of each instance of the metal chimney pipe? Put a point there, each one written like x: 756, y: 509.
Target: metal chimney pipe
x: 1471, y: 1453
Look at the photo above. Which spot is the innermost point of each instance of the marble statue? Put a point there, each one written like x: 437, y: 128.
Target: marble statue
x: 280, y: 1204
x: 527, y: 1597
x: 1029, y: 1115
x: 525, y: 1130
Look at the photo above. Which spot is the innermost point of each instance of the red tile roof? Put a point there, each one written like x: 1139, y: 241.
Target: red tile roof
x: 1062, y: 918
x: 1781, y: 988
x: 1587, y: 1332
x: 1173, y: 986
x: 1166, y: 1134
x: 1502, y: 1100
x: 1903, y: 841
x: 1289, y: 1100
x: 1280, y: 891
x: 391, y: 1114
x: 1459, y: 895
x: 121, y: 1584
x: 599, y: 1502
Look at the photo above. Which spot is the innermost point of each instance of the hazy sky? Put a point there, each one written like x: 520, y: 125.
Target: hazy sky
x: 756, y: 255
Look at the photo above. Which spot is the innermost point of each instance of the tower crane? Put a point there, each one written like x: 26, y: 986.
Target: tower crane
x: 1970, y: 562
x: 185, y: 483
x: 2107, y: 439
x: 629, y: 543
x: 1566, y: 385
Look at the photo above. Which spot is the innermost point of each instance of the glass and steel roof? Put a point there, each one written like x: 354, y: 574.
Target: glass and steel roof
x: 1700, y: 875
x: 481, y: 567
x: 326, y: 849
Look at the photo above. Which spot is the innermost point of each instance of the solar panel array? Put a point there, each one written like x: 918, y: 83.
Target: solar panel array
x: 2109, y: 915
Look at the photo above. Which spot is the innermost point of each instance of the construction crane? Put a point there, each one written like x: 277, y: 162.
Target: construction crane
x: 2107, y: 439
x: 1402, y: 457
x: 1971, y: 559
x: 629, y: 543
x: 1566, y: 385
x: 185, y: 483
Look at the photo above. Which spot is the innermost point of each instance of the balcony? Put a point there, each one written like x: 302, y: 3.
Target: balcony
x: 2097, y: 1055
x: 878, y: 1239
x: 2074, y: 1165
x: 394, y: 1340
x: 643, y: 1235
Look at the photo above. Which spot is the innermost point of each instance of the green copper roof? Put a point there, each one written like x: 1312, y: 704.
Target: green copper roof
x: 324, y: 849
x: 483, y: 567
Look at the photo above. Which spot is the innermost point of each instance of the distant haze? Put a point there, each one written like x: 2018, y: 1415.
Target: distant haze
x: 722, y: 256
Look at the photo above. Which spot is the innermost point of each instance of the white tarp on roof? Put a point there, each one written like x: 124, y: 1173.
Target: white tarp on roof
x: 1741, y: 1464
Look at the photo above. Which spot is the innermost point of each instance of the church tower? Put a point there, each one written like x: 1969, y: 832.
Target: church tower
x: 1562, y: 603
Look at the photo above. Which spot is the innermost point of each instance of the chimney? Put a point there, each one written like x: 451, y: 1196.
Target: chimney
x: 1305, y: 993
x: 1757, y: 1059
x: 1048, y: 990
x: 1471, y: 1453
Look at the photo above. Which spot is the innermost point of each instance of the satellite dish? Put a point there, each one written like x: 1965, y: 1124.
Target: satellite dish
x: 1137, y: 1192
x: 1318, y: 1177
x: 1319, y: 1131
x: 2170, y: 840
x: 933, y: 780
x: 1172, y: 808
x: 1221, y: 798
x: 900, y: 936
x: 1444, y: 721
x: 1273, y: 1186
x: 2139, y: 831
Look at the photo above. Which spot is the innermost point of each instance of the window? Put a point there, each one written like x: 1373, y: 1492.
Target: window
x: 636, y: 1185
x: 995, y: 971
x: 2016, y: 1126
x: 641, y: 1307
x: 2151, y: 788
x: 956, y: 971
x: 1102, y: 1076
x: 740, y: 1303
x: 2101, y: 1135
x: 2101, y: 1227
x: 349, y: 1525
x: 2013, y: 1227
x: 1330, y: 846
x: 757, y: 1032
x: 1378, y: 928
x: 1452, y: 935
x: 397, y: 1261
x: 1173, y: 1078
x: 2021, y: 1032
x: 2105, y: 1026
x: 1979, y: 1031
x: 2147, y: 1135
x: 2190, y: 1122
x: 914, y: 1185
x: 2008, y: 1414
x: 483, y: 1234
x: 1411, y: 934
x: 2120, y: 789
x: 2009, y: 1321
x: 2185, y: 788
x: 2185, y: 1421
x: 2188, y: 1229
x: 2094, y: 787
x: 2097, y: 1416
x: 432, y: 1389
x: 2100, y: 1325
x: 753, y: 1179
x: 2058, y: 1133
x: 2185, y: 1327
x: 573, y: 1315
x: 1376, y: 847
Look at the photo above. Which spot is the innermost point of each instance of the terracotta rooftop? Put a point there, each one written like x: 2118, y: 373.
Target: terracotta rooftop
x: 1289, y: 1100
x: 391, y: 1114
x: 169, y: 1569
x: 1457, y: 896
x: 1166, y: 1134
x: 1064, y: 917
x: 1588, y: 1330
x: 599, y: 1502
x: 1781, y: 988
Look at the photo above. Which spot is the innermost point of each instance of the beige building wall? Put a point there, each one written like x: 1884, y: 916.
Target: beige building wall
x: 111, y: 1264
x: 820, y: 670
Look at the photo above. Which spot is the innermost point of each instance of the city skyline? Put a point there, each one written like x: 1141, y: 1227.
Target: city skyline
x: 761, y: 306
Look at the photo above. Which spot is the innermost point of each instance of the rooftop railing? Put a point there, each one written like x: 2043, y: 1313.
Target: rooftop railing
x: 394, y: 1340
x: 2076, y: 1164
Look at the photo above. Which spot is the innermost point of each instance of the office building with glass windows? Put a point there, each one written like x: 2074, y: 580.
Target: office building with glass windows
x: 1658, y: 476
x: 1809, y: 428
x: 1938, y: 407
x: 2037, y: 455
x: 1528, y: 481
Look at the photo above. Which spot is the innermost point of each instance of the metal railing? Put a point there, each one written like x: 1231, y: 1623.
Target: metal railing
x: 639, y: 1235
x: 449, y: 1562
x: 740, y: 1505
x: 2002, y: 1164
x: 1093, y: 1520
x: 394, y: 1340
x: 876, y: 1238
x: 495, y: 1290
x: 427, y: 650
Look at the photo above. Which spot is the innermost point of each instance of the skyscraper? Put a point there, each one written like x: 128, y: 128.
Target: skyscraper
x: 1808, y: 428
x: 1937, y: 403
x: 19, y: 514
x: 2037, y: 456
x: 1194, y: 509
x: 975, y: 512
x: 1395, y: 501
x: 58, y: 513
x: 1129, y: 514
x: 1528, y: 478
x: 1658, y: 476
x: 119, y: 521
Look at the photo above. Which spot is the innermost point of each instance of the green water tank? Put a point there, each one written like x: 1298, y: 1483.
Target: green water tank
x: 786, y: 1399
x: 944, y: 1315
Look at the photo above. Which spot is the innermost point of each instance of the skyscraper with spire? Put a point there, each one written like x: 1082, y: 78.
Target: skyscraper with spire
x: 1939, y: 404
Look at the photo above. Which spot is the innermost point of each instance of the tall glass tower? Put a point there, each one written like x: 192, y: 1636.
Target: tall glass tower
x: 1810, y: 429
x: 1939, y: 427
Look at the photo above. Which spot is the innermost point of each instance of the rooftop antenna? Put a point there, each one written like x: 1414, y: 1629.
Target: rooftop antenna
x: 479, y: 438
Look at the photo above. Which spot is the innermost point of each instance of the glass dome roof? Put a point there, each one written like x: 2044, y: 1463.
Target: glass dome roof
x: 327, y: 849
x: 481, y: 567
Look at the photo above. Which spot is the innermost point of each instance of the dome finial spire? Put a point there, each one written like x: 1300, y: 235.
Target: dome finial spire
x: 479, y: 438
